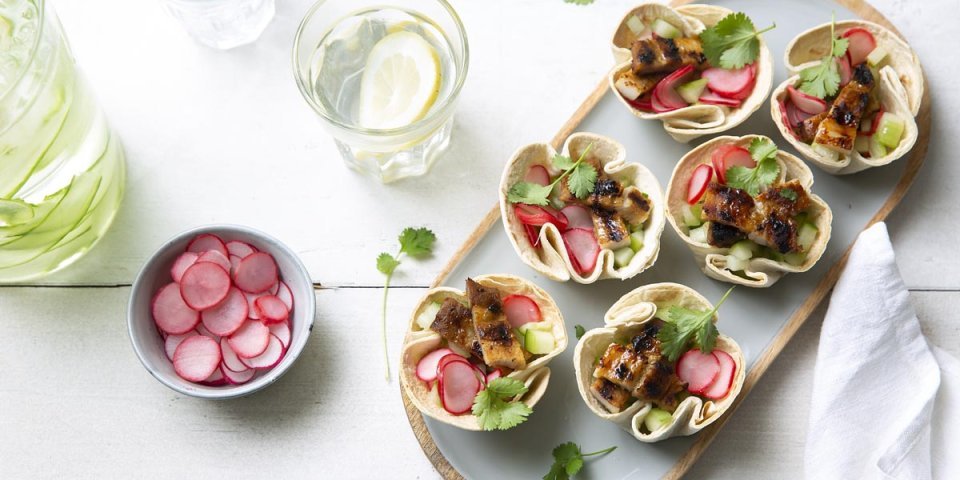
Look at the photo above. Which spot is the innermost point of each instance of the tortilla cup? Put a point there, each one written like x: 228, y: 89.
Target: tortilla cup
x: 624, y: 319
x: 693, y: 121
x: 760, y: 272
x: 552, y: 258
x: 419, y: 342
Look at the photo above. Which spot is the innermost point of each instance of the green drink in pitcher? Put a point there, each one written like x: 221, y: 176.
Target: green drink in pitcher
x: 61, y: 167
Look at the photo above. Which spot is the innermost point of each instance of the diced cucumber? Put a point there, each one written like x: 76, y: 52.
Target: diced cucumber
x: 656, y: 419
x: 691, y: 91
x: 877, y: 150
x: 538, y: 342
x: 806, y: 236
x: 876, y: 56
x: 622, y: 256
x: 635, y: 25
x: 636, y: 240
x: 736, y: 264
x: 796, y: 259
x: 699, y: 234
x: 826, y: 152
x: 691, y: 215
x: 890, y: 130
x: 744, y: 249
x: 800, y: 218
x: 426, y: 317
x: 14, y: 212
x: 636, y: 228
x: 542, y: 326
x: 862, y: 144
x: 664, y: 29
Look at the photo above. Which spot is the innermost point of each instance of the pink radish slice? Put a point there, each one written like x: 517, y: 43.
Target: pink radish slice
x: 216, y: 257
x: 577, y: 217
x: 494, y: 375
x: 532, y: 215
x: 698, y: 182
x: 171, y: 313
x: 458, y: 386
x: 728, y: 82
x: 171, y: 343
x: 228, y: 315
x: 282, y: 332
x: 698, y: 370
x: 250, y: 339
x: 806, y: 103
x: 270, y: 357
x: 643, y: 103
x: 450, y: 357
x: 206, y: 242
x: 721, y: 386
x: 234, y: 262
x: 240, y: 249
x: 796, y: 115
x: 747, y: 90
x: 582, y: 245
x: 520, y: 309
x: 711, y: 98
x: 256, y: 273
x: 216, y: 379
x: 537, y: 174
x: 271, y: 309
x: 275, y: 288
x: 181, y: 264
x: 726, y: 156
x: 196, y: 358
x: 533, y: 234
x: 206, y: 333
x: 285, y: 295
x: 204, y: 285
x: 784, y: 117
x: 427, y: 366
x: 237, y: 378
x: 230, y: 359
x: 860, y: 46
x: 665, y: 92
x: 251, y: 304
x: 868, y: 128
x: 846, y: 72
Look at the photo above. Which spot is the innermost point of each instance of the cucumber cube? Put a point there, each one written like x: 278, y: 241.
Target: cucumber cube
x: 744, y: 249
x: 876, y: 56
x: 691, y: 91
x: 691, y: 215
x: 890, y: 130
x: 635, y: 25
x: 427, y: 315
x: 795, y: 259
x: 538, y: 342
x: 699, y: 234
x: 664, y: 29
x: 736, y: 264
x: 622, y: 256
x: 636, y: 240
x: 877, y: 150
x: 862, y: 144
x: 806, y: 236
x: 542, y: 326
x: 656, y: 419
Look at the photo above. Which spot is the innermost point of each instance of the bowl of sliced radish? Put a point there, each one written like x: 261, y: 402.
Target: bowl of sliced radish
x: 221, y: 311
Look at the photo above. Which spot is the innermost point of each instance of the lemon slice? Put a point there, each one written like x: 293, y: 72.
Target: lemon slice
x: 400, y: 81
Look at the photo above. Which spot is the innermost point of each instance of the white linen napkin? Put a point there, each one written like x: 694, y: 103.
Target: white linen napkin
x: 885, y: 405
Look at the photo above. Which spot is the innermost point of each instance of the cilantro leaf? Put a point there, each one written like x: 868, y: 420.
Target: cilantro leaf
x: 788, y: 194
x: 582, y: 180
x: 761, y: 148
x: 529, y: 193
x: 562, y: 162
x: 494, y: 412
x: 579, y: 2
x: 733, y: 42
x: 417, y: 242
x: 823, y: 79
x: 681, y: 325
x: 839, y: 46
x: 752, y: 180
x: 579, y: 330
x: 386, y: 263
x: 568, y: 460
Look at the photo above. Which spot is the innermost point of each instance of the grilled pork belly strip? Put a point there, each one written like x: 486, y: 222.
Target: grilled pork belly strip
x: 807, y: 129
x: 634, y: 86
x: 611, y: 230
x: 839, y: 129
x: 455, y: 324
x: 723, y: 236
x: 641, y: 369
x: 729, y: 206
x: 497, y: 342
x: 658, y: 55
x: 612, y: 397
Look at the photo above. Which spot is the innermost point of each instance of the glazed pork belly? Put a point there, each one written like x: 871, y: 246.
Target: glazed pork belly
x: 641, y: 369
x: 454, y: 323
x: 497, y: 341
x: 658, y: 55
x: 839, y: 129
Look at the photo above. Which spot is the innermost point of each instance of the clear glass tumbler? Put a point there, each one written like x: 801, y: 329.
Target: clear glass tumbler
x: 223, y: 24
x: 335, y: 44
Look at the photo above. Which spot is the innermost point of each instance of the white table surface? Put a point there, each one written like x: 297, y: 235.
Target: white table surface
x: 225, y: 137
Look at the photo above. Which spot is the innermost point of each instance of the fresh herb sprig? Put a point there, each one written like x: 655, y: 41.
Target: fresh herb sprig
x: 733, y: 42
x: 568, y: 460
x: 582, y: 181
x: 494, y: 411
x: 755, y: 179
x: 415, y: 242
x: 683, y: 324
x: 579, y: 2
x: 823, y: 79
x: 579, y: 330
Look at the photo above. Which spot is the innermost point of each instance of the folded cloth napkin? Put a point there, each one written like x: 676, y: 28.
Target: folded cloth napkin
x: 885, y: 404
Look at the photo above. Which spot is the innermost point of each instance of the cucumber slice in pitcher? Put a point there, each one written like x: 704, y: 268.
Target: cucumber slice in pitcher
x: 15, y: 212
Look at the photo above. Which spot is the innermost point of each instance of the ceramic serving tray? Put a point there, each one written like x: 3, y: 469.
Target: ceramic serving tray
x: 761, y: 320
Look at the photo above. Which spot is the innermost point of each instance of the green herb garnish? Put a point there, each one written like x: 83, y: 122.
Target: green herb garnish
x: 733, y: 42
x: 415, y: 242
x: 752, y: 180
x: 823, y: 79
x: 788, y: 194
x: 568, y: 460
x: 582, y: 181
x: 579, y: 330
x: 579, y: 2
x: 494, y: 411
x: 683, y: 324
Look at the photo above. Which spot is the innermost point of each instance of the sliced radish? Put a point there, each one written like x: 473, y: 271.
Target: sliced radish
x: 698, y: 370
x: 171, y: 313
x: 644, y: 103
x: 533, y: 234
x: 869, y: 128
x: 171, y: 343
x: 285, y: 295
x: 712, y: 98
x: 216, y: 257
x: 252, y: 311
x: 806, y: 103
x: 450, y: 357
x: 216, y: 379
x: 796, y: 115
x: 748, y: 89
x: 237, y: 378
x: 196, y: 358
x: 728, y: 82
x: 206, y: 333
x: 240, y: 249
x: 271, y: 309
x: 234, y: 263
x: 204, y: 285
x: 665, y: 96
x: 270, y: 357
x: 729, y: 155
x: 582, y: 245
x: 537, y: 174
x: 282, y: 332
x: 698, y: 182
x: 494, y: 375
x: 861, y: 44
x: 458, y: 386
x: 181, y: 264
x: 578, y: 216
x: 230, y: 359
x: 206, y: 242
x: 427, y: 366
x: 256, y: 273
x: 846, y: 72
x: 250, y: 339
x: 520, y: 309
x: 532, y: 215
x: 227, y: 316
x: 721, y: 386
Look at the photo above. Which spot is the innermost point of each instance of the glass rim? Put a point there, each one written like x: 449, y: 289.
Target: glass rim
x: 463, y: 64
x: 41, y: 30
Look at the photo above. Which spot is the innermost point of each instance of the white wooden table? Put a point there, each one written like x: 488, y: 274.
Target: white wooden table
x: 225, y: 137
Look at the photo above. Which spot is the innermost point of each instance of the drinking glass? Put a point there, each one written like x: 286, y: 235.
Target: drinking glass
x: 223, y: 24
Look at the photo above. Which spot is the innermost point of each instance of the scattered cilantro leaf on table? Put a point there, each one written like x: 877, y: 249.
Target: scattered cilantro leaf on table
x: 681, y: 325
x: 568, y: 460
x: 492, y: 409
x: 579, y: 2
x: 752, y: 180
x: 823, y: 79
x: 582, y: 181
x: 733, y: 42
x: 579, y: 330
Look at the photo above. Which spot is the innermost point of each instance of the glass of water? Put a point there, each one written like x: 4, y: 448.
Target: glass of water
x: 222, y: 24
x: 384, y: 79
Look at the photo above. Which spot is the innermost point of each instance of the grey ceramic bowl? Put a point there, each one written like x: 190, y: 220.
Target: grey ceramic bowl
x: 148, y: 344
